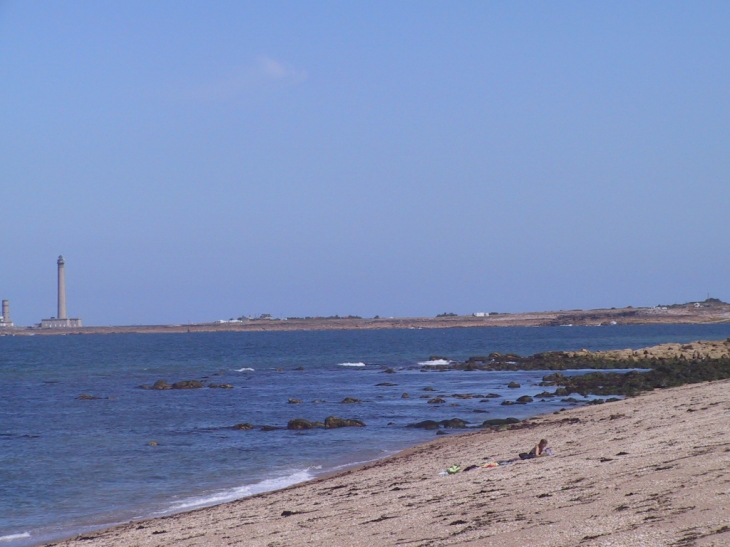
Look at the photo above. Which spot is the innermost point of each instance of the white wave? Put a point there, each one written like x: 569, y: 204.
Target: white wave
x: 13, y: 537
x: 242, y: 491
x: 244, y: 369
x: 350, y: 364
x: 435, y: 362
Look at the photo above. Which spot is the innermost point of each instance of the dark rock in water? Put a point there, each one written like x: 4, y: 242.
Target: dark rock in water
x: 405, y: 396
x: 145, y: 386
x: 544, y: 395
x: 385, y: 384
x: 299, y: 368
x: 389, y: 371
x: 425, y: 397
x: 332, y: 422
x: 299, y: 423
x: 441, y: 432
x: 269, y: 428
x: 454, y: 423
x: 243, y: 427
x: 212, y: 385
x: 428, y: 389
x: 561, y: 392
x: 317, y: 424
x: 187, y: 384
x: 87, y: 397
x: 596, y: 401
x: 570, y: 400
x: 294, y: 401
x: 524, y: 400
x: 496, y: 422
x: 492, y: 396
x: 153, y: 443
x: 161, y: 384
x: 513, y: 385
x: 427, y: 424
x: 506, y: 403
x: 350, y: 401
x: 462, y: 395
x: 484, y: 401
x: 436, y: 401
x: 221, y: 386
x: 481, y: 411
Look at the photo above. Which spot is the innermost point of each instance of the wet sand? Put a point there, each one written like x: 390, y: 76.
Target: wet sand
x: 653, y: 470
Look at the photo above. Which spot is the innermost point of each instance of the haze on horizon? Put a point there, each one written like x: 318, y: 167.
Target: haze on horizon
x: 203, y: 160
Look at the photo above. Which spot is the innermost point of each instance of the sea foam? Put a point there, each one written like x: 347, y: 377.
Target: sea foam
x: 435, y: 362
x: 13, y: 537
x: 224, y: 496
x: 350, y: 364
x: 244, y: 369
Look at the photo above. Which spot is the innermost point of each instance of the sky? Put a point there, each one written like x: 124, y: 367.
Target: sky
x: 203, y: 160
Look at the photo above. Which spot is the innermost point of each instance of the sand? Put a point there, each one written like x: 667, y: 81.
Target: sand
x: 653, y: 470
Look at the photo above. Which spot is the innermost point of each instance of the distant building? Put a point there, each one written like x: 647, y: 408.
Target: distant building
x: 5, y: 317
x: 481, y: 314
x: 61, y: 321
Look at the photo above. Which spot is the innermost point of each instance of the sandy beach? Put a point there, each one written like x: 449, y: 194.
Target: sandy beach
x: 653, y: 470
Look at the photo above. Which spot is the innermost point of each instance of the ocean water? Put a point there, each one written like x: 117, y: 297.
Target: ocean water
x: 68, y: 465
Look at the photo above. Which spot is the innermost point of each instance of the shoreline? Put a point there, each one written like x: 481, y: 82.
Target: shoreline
x: 648, y: 470
x: 687, y: 315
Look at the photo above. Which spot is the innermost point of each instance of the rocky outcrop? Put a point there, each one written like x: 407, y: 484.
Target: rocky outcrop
x: 243, y: 427
x: 436, y: 401
x: 299, y: 424
x: 350, y: 401
x: 513, y: 385
x: 454, y: 423
x: 332, y: 422
x: 497, y: 422
x: 524, y: 400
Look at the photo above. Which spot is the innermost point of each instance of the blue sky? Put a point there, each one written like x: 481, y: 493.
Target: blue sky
x: 203, y: 160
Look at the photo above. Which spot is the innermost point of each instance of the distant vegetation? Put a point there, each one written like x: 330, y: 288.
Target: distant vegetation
x: 447, y: 314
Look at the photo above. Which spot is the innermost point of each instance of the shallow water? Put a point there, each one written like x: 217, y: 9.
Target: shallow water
x: 68, y: 464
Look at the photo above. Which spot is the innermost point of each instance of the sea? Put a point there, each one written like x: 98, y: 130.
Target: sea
x: 70, y: 465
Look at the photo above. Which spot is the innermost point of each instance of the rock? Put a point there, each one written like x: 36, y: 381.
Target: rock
x: 385, y: 384
x: 389, y: 371
x: 561, y: 392
x: 462, y: 395
x: 243, y: 427
x: 428, y: 389
x: 145, y: 386
x: 152, y: 443
x: 544, y: 395
x: 350, y: 401
x: 427, y: 424
x: 299, y: 368
x: 436, y: 401
x: 496, y: 422
x: 524, y: 400
x: 211, y: 385
x: 481, y: 411
x: 513, y: 385
x: 86, y: 397
x: 570, y: 400
x: 506, y: 403
x: 454, y: 423
x: 441, y: 432
x: 269, y: 428
x: 221, y: 386
x: 332, y: 422
x: 161, y: 384
x: 405, y: 396
x: 492, y: 396
x: 294, y: 401
x: 317, y: 424
x: 299, y: 423
x: 187, y: 384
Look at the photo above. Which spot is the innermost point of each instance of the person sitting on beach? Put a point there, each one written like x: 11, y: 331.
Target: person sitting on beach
x: 540, y: 449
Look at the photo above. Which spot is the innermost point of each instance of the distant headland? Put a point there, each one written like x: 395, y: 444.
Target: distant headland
x: 711, y: 310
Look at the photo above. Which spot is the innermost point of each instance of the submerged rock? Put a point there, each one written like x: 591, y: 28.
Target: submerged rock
x: 243, y: 427
x: 350, y: 401
x: 299, y: 423
x: 436, y: 401
x: 161, y: 384
x: 454, y: 423
x: 385, y: 384
x: 87, y: 397
x: 496, y: 422
x: 187, y: 384
x: 426, y: 424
